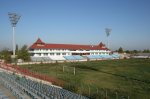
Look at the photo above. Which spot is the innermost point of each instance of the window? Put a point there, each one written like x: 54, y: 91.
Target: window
x: 92, y: 53
x: 57, y: 53
x: 50, y: 49
x: 96, y: 53
x: 103, y: 52
x: 32, y: 54
x: 51, y: 54
x: 45, y: 54
x: 63, y: 53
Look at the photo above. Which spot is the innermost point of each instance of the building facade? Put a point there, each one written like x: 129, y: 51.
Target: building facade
x: 59, y: 51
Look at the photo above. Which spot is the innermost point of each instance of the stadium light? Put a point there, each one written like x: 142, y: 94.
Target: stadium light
x: 14, y: 18
x: 108, y: 30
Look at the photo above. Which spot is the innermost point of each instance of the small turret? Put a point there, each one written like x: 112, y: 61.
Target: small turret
x: 39, y: 42
x: 101, y: 45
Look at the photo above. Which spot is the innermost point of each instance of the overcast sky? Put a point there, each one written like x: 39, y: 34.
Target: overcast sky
x: 77, y: 22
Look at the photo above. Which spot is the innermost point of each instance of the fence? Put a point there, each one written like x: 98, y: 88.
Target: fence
x: 26, y: 72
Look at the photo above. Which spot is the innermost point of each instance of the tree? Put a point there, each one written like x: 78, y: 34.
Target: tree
x: 127, y: 51
x: 17, y: 48
x: 6, y: 55
x: 135, y: 51
x: 146, y: 51
x: 120, y: 50
x: 23, y: 53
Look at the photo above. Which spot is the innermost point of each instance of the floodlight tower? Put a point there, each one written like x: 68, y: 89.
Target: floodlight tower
x: 14, y: 18
x: 107, y: 30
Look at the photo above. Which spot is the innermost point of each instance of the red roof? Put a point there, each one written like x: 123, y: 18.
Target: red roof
x: 39, y: 41
x: 39, y: 44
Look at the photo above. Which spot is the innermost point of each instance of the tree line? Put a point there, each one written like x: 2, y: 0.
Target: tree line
x: 120, y: 50
x: 21, y: 53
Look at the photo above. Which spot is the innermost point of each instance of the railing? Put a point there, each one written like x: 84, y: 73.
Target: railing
x: 26, y: 72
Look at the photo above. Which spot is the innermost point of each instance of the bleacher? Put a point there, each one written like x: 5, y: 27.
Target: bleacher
x: 94, y: 57
x: 78, y: 57
x: 106, y: 56
x: 11, y: 86
x: 35, y: 90
x: 91, y: 57
x: 115, y: 56
x: 100, y: 57
x: 46, y: 58
x: 2, y: 95
x: 40, y: 59
x: 97, y: 56
x: 69, y: 58
x: 74, y: 57
x: 57, y: 58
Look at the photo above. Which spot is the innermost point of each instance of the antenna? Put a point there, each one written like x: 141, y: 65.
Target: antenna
x: 108, y: 30
x: 14, y: 18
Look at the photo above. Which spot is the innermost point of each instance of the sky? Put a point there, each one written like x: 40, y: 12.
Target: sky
x: 77, y: 22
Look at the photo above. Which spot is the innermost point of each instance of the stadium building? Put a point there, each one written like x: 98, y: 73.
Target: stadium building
x: 44, y: 51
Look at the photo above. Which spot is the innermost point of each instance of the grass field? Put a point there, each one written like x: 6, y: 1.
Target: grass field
x: 109, y: 79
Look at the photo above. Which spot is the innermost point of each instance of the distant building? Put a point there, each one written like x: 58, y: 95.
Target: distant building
x: 59, y: 51
x: 141, y: 55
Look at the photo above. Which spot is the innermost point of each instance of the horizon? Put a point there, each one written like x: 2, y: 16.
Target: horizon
x: 78, y: 22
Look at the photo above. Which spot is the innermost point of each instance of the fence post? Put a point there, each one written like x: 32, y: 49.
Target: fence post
x: 106, y: 93
x: 74, y: 71
x: 116, y: 95
x: 56, y: 69
x: 89, y: 91
x: 63, y: 68
x: 97, y: 90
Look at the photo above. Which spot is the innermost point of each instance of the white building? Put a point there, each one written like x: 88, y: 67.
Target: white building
x: 64, y: 51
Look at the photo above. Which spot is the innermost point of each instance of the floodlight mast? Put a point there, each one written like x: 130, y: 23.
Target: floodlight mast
x: 14, y: 18
x: 108, y: 30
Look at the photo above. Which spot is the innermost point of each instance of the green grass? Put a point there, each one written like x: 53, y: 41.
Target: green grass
x: 98, y: 79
